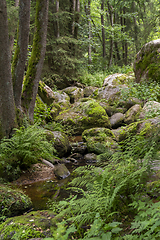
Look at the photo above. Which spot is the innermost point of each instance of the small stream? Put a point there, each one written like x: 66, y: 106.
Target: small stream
x: 41, y: 192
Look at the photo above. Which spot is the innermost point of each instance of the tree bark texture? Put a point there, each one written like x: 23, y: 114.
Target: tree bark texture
x: 20, y: 56
x: 35, y: 65
x: 7, y: 107
x: 103, y: 31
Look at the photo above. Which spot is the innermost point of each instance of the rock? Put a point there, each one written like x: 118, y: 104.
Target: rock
x: 35, y: 225
x: 116, y: 79
x: 99, y: 140
x: 45, y: 93
x: 146, y: 65
x: 61, y: 171
x: 132, y: 114
x: 90, y: 158
x: 79, y: 147
x: 62, y: 100
x: 60, y: 142
x: 13, y: 202
x: 116, y: 120
x: 150, y: 109
x: 84, y: 114
x: 88, y: 91
x: 74, y: 93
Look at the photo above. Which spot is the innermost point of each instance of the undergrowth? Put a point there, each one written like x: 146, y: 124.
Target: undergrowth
x: 26, y: 147
x: 104, y: 203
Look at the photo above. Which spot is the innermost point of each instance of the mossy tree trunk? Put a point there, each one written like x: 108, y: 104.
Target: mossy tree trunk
x: 20, y: 56
x: 33, y: 74
x: 7, y: 107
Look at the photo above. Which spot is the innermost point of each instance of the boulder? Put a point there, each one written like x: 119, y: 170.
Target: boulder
x: 13, y: 201
x: 88, y: 91
x: 150, y: 109
x: 61, y: 171
x: 74, y: 93
x: 146, y: 65
x: 99, y: 140
x: 90, y: 158
x: 117, y: 120
x: 60, y: 142
x: 45, y: 93
x: 132, y: 114
x: 84, y: 114
x: 35, y: 224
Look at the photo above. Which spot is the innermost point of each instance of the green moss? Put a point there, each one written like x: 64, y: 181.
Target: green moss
x: 34, y: 59
x: 13, y: 202
x: 32, y: 225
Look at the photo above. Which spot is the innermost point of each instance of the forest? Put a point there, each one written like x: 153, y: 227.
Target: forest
x: 79, y: 119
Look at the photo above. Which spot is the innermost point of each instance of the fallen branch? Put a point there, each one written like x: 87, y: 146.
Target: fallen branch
x: 48, y: 163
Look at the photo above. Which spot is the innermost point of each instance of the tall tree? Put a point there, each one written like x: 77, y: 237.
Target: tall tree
x: 36, y: 60
x: 103, y: 33
x: 7, y: 108
x: 19, y: 60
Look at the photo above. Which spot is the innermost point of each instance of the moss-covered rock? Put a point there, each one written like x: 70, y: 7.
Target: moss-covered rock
x: 60, y: 142
x: 74, y: 93
x: 146, y: 65
x: 151, y: 109
x: 132, y: 114
x: 84, y: 114
x: 32, y: 225
x: 117, y: 120
x: 61, y: 171
x: 99, y: 140
x: 45, y: 93
x: 13, y: 202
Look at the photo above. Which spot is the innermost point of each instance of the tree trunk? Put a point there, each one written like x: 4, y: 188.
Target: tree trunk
x: 111, y: 38
x: 77, y: 17
x: 35, y: 65
x: 57, y: 21
x: 88, y: 10
x: 19, y: 60
x: 102, y: 27
x: 11, y: 39
x: 7, y: 107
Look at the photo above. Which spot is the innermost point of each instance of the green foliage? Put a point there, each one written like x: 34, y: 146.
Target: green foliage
x: 106, y: 192
x: 146, y: 91
x: 26, y: 147
x: 146, y: 224
x: 94, y: 78
x: 42, y: 112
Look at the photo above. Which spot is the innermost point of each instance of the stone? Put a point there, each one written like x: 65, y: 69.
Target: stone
x: 74, y: 93
x: 150, y: 109
x: 61, y: 171
x: 117, y: 120
x: 146, y: 65
x: 132, y: 114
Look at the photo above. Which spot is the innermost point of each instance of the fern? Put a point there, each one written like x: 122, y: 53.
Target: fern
x: 26, y: 147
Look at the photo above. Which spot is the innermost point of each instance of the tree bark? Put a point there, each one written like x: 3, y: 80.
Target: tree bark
x: 35, y: 65
x: 11, y: 39
x: 57, y: 20
x: 7, y: 107
x: 103, y: 33
x: 88, y: 11
x: 20, y: 56
x: 77, y: 17
x: 111, y: 38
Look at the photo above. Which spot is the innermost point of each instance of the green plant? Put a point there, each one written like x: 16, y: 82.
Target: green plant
x: 106, y: 192
x: 146, y: 224
x: 26, y: 147
x: 146, y: 91
x: 42, y: 112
